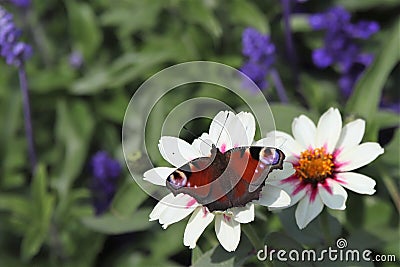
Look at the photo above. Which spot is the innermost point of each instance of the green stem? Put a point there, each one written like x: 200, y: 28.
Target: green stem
x: 392, y: 188
x: 325, y: 227
x: 257, y: 243
x: 252, y: 236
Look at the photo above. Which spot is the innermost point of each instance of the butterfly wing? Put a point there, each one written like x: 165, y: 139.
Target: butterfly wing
x: 199, y: 178
x: 227, y: 180
x: 252, y: 164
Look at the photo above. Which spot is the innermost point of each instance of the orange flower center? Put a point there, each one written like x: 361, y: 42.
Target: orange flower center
x: 314, y: 165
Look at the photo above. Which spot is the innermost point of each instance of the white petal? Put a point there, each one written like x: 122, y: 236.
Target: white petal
x: 203, y: 144
x: 336, y: 197
x: 158, y: 175
x: 244, y: 214
x: 177, y: 151
x: 237, y: 134
x: 158, y: 210
x: 328, y: 129
x: 249, y: 125
x: 304, y: 131
x: 289, y: 146
x: 273, y: 197
x: 218, y: 132
x: 227, y: 231
x: 279, y: 175
x: 307, y: 210
x: 352, y: 134
x: 172, y: 209
x: 196, y: 225
x: 356, y: 157
x: 357, y: 182
x: 271, y: 141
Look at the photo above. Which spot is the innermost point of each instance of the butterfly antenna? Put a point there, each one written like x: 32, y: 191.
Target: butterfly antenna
x: 194, y: 135
x: 281, y: 145
x: 222, y: 129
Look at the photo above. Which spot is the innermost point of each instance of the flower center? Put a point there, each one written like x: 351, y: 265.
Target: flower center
x: 314, y: 165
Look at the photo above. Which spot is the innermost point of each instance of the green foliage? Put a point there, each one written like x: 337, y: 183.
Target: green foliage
x: 48, y: 219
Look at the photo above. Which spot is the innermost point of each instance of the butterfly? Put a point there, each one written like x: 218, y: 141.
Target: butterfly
x: 225, y: 180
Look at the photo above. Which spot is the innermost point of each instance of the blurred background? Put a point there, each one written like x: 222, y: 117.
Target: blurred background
x: 84, y: 60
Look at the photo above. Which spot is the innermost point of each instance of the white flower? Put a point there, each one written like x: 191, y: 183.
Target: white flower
x: 227, y: 131
x: 323, y: 157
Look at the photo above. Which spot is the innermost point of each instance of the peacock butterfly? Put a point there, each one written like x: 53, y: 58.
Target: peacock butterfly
x: 225, y: 180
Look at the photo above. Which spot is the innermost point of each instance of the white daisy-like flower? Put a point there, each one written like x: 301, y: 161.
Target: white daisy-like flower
x: 227, y: 131
x: 323, y: 158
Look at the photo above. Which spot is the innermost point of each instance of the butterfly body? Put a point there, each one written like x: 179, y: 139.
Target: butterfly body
x: 225, y: 180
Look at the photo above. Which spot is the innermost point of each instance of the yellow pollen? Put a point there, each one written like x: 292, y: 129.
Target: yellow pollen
x: 314, y: 165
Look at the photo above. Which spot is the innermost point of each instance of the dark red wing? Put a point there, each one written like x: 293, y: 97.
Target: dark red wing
x: 252, y: 164
x: 227, y: 180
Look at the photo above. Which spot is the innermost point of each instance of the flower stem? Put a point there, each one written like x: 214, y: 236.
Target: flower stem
x: 280, y: 89
x: 252, y: 236
x: 391, y: 187
x: 324, y: 221
x: 289, y: 39
x: 27, y: 116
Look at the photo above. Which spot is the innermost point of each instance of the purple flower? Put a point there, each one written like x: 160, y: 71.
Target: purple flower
x: 11, y: 49
x: 76, y: 59
x: 105, y: 171
x: 363, y: 29
x: 21, y: 3
x: 257, y: 46
x: 256, y: 73
x: 341, y: 46
x: 260, y: 52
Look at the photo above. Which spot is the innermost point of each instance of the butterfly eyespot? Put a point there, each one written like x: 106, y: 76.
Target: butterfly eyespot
x: 269, y: 156
x: 177, y: 179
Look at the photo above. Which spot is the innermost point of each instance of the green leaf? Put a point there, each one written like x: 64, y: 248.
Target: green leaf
x: 313, y: 233
x: 278, y: 241
x: 132, y: 16
x: 74, y: 129
x: 38, y: 224
x: 52, y: 79
x: 196, y: 254
x: 366, y: 96
x: 217, y: 256
x: 248, y: 14
x: 353, y: 5
x: 116, y: 224
x: 14, y: 203
x: 128, y: 198
x: 94, y: 81
x: 386, y: 119
x: 83, y: 28
x: 299, y: 23
x: 200, y: 13
x: 284, y: 115
x: 320, y: 93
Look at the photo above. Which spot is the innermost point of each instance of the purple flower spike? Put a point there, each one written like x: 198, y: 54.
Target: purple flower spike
x: 12, y: 50
x: 256, y: 46
x: 104, y: 167
x: 21, y: 3
x: 16, y: 53
x: 363, y: 29
x: 341, y: 46
x: 260, y: 52
x: 105, y: 172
